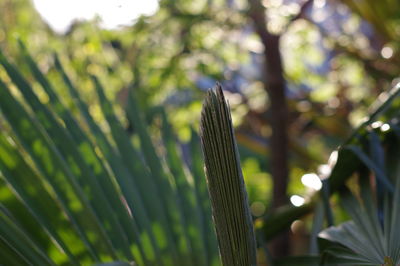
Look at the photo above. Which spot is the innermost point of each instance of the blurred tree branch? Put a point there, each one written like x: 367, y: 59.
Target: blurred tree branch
x: 307, y: 4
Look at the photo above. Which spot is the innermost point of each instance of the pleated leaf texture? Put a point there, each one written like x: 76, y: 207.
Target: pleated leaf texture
x: 231, y: 212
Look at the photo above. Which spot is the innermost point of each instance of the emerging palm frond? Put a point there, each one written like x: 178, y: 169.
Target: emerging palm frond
x: 228, y: 195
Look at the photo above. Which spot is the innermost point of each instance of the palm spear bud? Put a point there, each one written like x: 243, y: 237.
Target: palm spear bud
x: 231, y: 212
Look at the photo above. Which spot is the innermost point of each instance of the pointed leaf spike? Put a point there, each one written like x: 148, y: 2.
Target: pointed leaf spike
x: 225, y: 183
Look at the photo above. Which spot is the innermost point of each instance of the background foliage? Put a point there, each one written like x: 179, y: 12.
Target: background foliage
x: 338, y: 58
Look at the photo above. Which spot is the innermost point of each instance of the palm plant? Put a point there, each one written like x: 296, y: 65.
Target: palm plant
x: 75, y: 194
x: 372, y: 236
x: 366, y: 176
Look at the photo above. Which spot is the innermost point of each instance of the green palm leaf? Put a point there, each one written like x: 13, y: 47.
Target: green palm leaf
x: 372, y: 237
x: 78, y: 195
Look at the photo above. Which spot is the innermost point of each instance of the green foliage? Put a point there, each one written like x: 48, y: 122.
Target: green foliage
x: 76, y: 192
x: 382, y: 15
x: 372, y: 237
x: 77, y: 188
x: 371, y: 158
x: 86, y: 195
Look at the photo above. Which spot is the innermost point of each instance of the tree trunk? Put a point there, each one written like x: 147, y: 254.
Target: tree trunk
x: 274, y: 84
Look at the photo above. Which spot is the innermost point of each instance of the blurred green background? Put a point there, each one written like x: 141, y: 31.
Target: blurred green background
x: 338, y: 57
